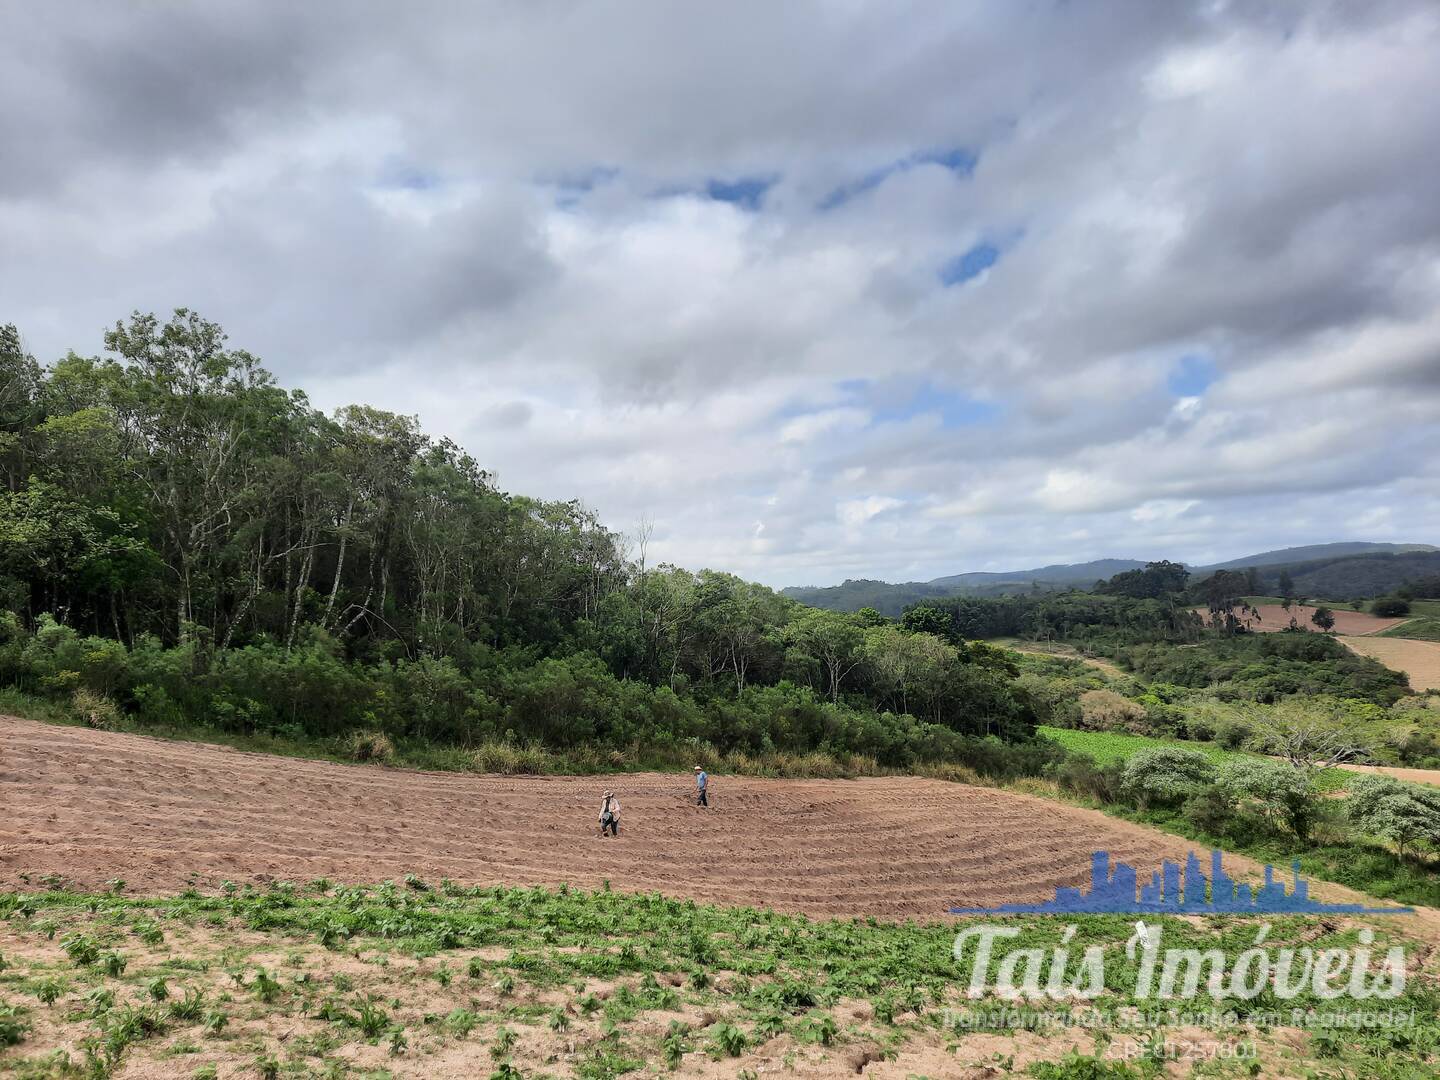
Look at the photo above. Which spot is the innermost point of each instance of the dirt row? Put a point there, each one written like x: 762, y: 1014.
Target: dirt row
x: 92, y: 806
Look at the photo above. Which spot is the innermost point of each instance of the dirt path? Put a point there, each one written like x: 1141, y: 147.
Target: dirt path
x: 1420, y: 660
x: 1414, y: 776
x: 1064, y: 652
x: 93, y: 805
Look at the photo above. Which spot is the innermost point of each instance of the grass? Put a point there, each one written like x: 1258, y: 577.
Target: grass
x: 499, y: 757
x: 1421, y: 628
x: 603, y: 984
x: 1108, y: 746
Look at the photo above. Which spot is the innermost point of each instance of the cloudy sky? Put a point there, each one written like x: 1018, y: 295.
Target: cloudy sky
x: 827, y: 290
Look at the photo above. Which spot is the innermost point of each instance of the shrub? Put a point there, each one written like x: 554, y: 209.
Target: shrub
x: 1286, y: 796
x: 93, y: 709
x: 1403, y: 813
x: 1390, y: 607
x: 507, y: 757
x: 1105, y: 710
x: 1210, y: 811
x: 1166, y: 775
x: 1234, y: 735
x: 369, y: 746
x: 1080, y: 774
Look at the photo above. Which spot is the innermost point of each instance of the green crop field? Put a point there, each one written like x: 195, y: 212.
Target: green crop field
x: 445, y: 981
x: 1423, y: 628
x: 1108, y: 746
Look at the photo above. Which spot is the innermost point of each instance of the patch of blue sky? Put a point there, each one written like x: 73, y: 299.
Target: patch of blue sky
x: 957, y: 159
x: 572, y: 187
x: 747, y: 192
x: 955, y: 408
x: 1192, y: 375
x: 969, y: 265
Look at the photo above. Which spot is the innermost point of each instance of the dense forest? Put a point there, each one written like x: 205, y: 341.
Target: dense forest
x: 182, y: 540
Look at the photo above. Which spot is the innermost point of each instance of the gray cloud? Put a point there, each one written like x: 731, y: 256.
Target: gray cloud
x: 495, y: 215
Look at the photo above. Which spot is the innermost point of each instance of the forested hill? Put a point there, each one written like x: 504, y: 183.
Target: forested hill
x: 1341, y: 571
x: 183, y: 540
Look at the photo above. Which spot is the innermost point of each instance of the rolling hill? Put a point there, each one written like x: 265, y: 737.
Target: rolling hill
x: 1340, y: 571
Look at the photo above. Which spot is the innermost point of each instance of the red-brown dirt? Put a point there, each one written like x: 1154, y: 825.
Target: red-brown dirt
x: 93, y: 805
x: 1272, y: 618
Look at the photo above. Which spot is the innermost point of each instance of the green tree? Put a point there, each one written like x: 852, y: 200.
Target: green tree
x: 1285, y: 795
x: 1166, y: 775
x: 1405, y: 814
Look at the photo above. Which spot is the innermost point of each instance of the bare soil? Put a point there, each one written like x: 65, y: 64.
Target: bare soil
x: 1420, y: 660
x: 1272, y: 618
x: 93, y: 805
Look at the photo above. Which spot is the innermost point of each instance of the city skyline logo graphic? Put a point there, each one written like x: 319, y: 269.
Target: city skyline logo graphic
x: 1118, y: 890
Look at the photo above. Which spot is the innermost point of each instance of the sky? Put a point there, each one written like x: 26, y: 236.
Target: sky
x: 819, y: 289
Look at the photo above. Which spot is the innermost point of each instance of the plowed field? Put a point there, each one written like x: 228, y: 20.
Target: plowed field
x: 92, y: 806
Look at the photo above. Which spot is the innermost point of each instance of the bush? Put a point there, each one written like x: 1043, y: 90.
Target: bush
x: 1105, y: 710
x: 1390, y: 607
x: 369, y: 746
x: 94, y: 710
x: 1284, y: 795
x: 1233, y: 735
x: 1166, y: 775
x: 1405, y: 814
x: 507, y: 757
x: 1210, y: 811
x: 1079, y: 773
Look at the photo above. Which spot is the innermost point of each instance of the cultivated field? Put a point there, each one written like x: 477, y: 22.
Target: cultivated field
x: 1273, y: 618
x: 218, y: 968
x: 92, y: 806
x: 1420, y: 660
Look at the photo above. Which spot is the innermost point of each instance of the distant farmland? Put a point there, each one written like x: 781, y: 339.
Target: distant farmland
x: 1420, y: 660
x: 1273, y: 618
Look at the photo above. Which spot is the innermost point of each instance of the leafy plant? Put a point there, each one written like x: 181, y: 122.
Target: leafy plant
x: 727, y: 1041
x: 50, y: 990
x: 819, y: 1028
x: 370, y: 1018
x: 14, y: 1027
x: 504, y: 1042
x: 675, y: 1044
x: 82, y: 949
x: 189, y: 1007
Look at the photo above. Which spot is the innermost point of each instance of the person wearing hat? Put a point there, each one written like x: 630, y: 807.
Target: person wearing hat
x: 702, y: 781
x: 610, y: 814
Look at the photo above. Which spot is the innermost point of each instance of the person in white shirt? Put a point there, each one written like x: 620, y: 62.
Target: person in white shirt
x: 610, y: 814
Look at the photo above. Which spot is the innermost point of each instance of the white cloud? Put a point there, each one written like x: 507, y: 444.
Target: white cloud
x: 496, y: 216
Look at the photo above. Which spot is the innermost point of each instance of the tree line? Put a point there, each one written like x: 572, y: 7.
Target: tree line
x: 187, y: 540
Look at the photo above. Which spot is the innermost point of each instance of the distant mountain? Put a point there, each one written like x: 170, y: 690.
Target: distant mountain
x: 1356, y: 577
x: 1340, y: 571
x: 1086, y: 573
x: 1312, y: 552
x: 892, y: 600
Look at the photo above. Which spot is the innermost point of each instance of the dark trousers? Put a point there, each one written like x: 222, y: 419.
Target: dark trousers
x: 703, y: 801
x: 611, y: 822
